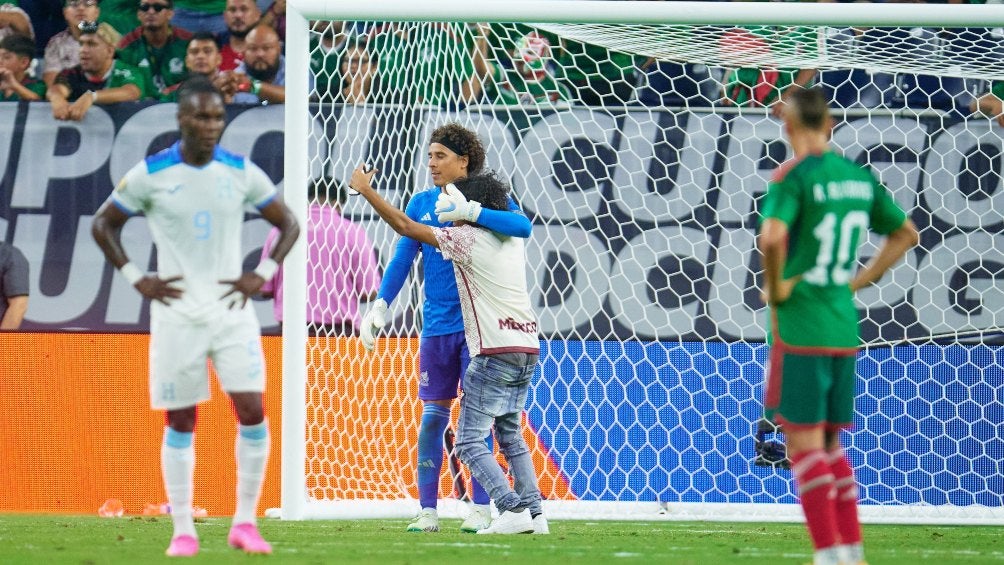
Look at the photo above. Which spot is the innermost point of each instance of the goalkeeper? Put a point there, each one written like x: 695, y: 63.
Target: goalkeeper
x: 828, y: 203
x: 501, y: 333
x: 454, y: 153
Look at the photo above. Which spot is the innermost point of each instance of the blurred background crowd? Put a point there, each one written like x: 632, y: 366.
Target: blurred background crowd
x: 77, y: 53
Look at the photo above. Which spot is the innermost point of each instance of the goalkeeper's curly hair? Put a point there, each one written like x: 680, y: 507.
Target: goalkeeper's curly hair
x: 461, y: 141
x: 488, y: 188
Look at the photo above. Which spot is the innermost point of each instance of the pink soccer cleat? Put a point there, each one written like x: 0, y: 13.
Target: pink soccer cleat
x: 183, y: 546
x: 246, y: 537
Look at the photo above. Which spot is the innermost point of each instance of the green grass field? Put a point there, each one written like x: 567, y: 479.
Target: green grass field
x: 92, y: 540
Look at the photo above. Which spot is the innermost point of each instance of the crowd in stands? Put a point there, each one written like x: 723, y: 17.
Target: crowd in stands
x: 76, y: 53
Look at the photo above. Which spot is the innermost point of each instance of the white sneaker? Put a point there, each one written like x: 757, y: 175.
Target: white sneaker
x: 510, y: 522
x: 540, y: 525
x: 479, y: 519
x: 427, y: 521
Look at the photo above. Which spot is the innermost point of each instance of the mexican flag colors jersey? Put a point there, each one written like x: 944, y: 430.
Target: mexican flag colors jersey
x: 829, y: 204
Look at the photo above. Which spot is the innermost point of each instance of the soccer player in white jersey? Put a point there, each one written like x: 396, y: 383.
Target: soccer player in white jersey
x: 501, y: 332
x: 194, y: 196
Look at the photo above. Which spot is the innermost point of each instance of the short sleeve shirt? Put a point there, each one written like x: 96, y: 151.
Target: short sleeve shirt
x: 61, y: 52
x: 411, y: 59
x: 196, y: 216
x: 510, y: 87
x: 251, y: 98
x: 829, y: 203
x: 166, y: 65
x: 120, y: 74
x: 32, y: 84
x: 491, y: 278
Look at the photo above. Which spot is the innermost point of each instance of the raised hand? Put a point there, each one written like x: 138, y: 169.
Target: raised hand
x: 452, y: 206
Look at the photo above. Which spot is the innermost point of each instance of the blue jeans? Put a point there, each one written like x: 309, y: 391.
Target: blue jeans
x: 494, y: 392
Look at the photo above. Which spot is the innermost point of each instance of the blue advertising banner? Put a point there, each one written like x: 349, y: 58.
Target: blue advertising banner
x: 673, y: 422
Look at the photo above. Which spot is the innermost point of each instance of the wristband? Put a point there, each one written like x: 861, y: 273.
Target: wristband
x: 255, y: 87
x: 131, y: 273
x: 94, y: 96
x: 267, y: 268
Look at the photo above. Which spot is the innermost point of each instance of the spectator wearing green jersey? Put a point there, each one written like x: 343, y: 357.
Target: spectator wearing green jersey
x: 156, y: 45
x: 327, y: 43
x: 16, y: 53
x: 758, y: 84
x: 99, y: 78
x: 818, y: 211
x: 120, y: 14
x: 425, y: 64
x: 530, y: 79
x: 200, y: 15
x: 597, y: 76
x: 202, y: 58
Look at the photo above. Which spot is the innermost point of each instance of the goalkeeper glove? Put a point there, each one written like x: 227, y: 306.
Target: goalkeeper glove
x: 374, y: 320
x: 451, y: 206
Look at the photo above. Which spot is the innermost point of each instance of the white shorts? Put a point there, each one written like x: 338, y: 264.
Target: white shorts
x: 179, y: 350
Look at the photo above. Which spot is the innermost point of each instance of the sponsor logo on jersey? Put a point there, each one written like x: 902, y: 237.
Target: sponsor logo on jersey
x: 427, y: 217
x: 529, y: 327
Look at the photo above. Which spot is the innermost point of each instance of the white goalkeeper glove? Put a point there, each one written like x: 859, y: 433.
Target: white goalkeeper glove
x: 374, y: 320
x: 451, y: 206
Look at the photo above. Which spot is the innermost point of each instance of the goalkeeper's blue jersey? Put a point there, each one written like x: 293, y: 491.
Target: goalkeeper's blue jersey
x: 441, y: 313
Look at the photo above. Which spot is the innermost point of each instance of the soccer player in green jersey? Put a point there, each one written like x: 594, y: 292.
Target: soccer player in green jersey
x: 818, y: 209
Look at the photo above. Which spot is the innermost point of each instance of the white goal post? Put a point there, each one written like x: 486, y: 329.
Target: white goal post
x: 652, y: 339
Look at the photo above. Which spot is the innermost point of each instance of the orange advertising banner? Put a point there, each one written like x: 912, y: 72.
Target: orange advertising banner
x: 76, y: 427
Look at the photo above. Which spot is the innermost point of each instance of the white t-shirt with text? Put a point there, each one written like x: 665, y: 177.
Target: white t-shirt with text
x: 196, y: 216
x: 491, y: 280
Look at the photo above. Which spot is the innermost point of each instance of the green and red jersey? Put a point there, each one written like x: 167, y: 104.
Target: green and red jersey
x: 829, y: 204
x: 166, y: 64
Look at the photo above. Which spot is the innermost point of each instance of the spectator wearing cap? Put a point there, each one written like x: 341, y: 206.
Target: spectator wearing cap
x: 156, y: 45
x: 16, y: 54
x: 99, y: 78
x: 63, y: 49
x: 14, y: 21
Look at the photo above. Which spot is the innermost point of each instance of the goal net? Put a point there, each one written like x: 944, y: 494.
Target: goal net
x: 639, y: 142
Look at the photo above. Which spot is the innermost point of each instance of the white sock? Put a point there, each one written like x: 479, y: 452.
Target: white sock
x: 177, y: 464
x: 252, y: 455
x: 828, y: 556
x: 851, y: 553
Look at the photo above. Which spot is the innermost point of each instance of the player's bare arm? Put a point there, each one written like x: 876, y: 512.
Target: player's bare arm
x: 279, y: 215
x: 362, y: 182
x: 107, y: 232
x: 894, y: 248
x: 773, y: 245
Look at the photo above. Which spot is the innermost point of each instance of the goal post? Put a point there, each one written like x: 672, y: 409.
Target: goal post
x: 642, y: 263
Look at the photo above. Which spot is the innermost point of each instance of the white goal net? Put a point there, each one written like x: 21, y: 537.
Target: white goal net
x: 640, y: 153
